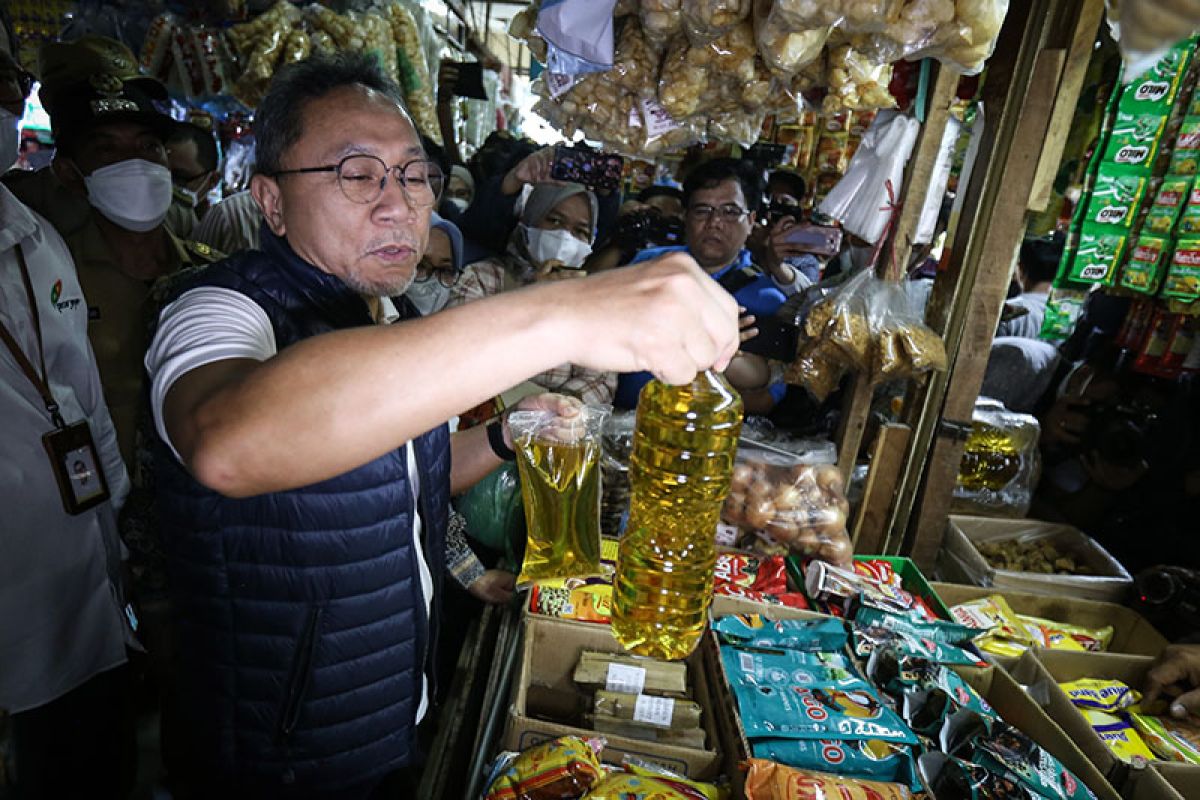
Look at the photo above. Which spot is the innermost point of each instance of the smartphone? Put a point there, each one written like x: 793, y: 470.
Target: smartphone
x: 470, y: 80
x: 597, y: 170
x: 820, y: 240
x: 777, y: 339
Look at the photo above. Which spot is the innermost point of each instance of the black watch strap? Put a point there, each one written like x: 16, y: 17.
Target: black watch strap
x: 495, y: 434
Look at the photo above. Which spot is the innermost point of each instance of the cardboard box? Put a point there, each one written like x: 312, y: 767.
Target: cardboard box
x: 1045, y: 669
x: 551, y: 650
x: 1131, y: 632
x: 960, y: 561
x: 992, y: 683
x: 1163, y: 782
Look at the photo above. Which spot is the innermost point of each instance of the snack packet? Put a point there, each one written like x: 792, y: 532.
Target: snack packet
x: 1114, y: 200
x: 1064, y: 636
x: 1155, y: 89
x: 582, y: 599
x: 820, y: 635
x: 1173, y: 194
x: 1143, y: 271
x: 1118, y: 734
x: 694, y: 790
x: 628, y: 786
x: 1169, y: 738
x: 1100, y: 250
x: 1186, y: 156
x: 563, y: 767
x: 935, y: 630
x: 868, y: 640
x: 781, y: 697
x: 1100, y: 695
x: 994, y: 615
x: 951, y: 777
x: 864, y: 759
x: 1007, y: 750
x: 1134, y: 139
x: 767, y: 780
x: 1183, y: 271
x: 827, y: 583
x: 558, y: 459
x: 1189, y: 220
x: 999, y: 646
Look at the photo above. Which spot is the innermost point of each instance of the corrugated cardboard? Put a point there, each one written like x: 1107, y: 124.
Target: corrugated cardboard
x: 960, y: 562
x: 992, y: 683
x: 1048, y: 668
x: 549, y: 654
x: 1131, y: 632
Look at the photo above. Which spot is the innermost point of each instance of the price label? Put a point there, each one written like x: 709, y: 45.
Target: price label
x: 727, y: 535
x: 654, y: 710
x: 558, y: 84
x: 624, y: 678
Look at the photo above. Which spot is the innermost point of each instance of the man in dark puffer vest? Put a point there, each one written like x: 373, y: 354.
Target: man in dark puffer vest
x: 306, y: 464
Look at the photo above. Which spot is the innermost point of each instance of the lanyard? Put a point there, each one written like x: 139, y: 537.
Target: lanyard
x: 39, y: 380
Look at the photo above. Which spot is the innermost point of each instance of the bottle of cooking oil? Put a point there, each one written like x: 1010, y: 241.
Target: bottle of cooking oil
x: 679, y: 473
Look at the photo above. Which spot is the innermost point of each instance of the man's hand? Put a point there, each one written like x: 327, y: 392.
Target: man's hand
x: 748, y: 372
x: 746, y: 325
x: 495, y: 586
x: 560, y: 405
x: 531, y: 170
x: 447, y: 79
x: 665, y: 316
x: 1176, y: 674
x: 779, y: 250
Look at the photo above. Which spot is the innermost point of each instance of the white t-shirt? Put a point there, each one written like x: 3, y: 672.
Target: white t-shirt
x: 211, y: 324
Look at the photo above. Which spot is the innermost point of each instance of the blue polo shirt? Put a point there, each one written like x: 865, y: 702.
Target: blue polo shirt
x: 761, y: 297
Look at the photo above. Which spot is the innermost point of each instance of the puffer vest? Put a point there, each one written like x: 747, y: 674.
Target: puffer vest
x: 300, y: 630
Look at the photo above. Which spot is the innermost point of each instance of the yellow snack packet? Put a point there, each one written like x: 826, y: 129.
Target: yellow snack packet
x: 1171, y: 739
x: 998, y: 646
x: 1118, y: 734
x: 993, y: 614
x: 1100, y: 695
x: 1064, y: 636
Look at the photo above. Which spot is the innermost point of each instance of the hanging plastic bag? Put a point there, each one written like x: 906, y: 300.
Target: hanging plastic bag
x: 855, y: 83
x: 559, y: 462
x: 903, y: 345
x: 784, y: 48
x: 661, y: 20
x: 842, y: 320
x: 706, y: 20
x: 1001, y: 463
x: 789, y: 503
x: 578, y: 34
x: 635, y: 62
x: 860, y: 200
x: 968, y: 41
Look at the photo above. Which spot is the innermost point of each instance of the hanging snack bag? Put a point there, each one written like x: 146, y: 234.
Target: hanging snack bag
x: 1169, y: 201
x: 1189, y: 220
x: 767, y: 780
x: 559, y: 462
x: 904, y: 345
x: 1115, y: 198
x: 1185, y: 158
x: 779, y: 500
x: 1100, y: 250
x: 1143, y: 271
x: 1183, y: 271
x: 1154, y: 90
x: 1134, y: 139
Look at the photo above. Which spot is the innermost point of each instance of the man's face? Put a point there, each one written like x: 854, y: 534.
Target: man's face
x: 457, y: 189
x: 671, y: 207
x: 183, y: 157
x: 373, y: 247
x: 112, y: 142
x: 572, y: 215
x: 439, y: 258
x: 713, y: 237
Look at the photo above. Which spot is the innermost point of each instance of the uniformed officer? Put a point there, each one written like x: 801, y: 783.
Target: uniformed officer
x: 195, y: 161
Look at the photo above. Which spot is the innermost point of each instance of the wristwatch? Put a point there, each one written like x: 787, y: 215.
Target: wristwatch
x: 495, y: 435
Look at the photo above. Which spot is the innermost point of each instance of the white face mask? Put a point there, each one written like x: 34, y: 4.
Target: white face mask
x: 10, y: 139
x: 428, y: 296
x: 546, y: 246
x: 458, y: 203
x: 133, y: 194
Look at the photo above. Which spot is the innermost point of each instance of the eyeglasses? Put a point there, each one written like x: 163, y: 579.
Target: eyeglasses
x: 726, y: 213
x: 446, y: 277
x: 362, y: 179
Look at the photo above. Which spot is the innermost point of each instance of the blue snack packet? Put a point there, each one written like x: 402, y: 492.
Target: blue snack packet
x: 935, y: 630
x: 807, y: 635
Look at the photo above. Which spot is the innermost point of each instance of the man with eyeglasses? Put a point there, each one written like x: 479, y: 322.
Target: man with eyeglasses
x: 721, y: 199
x: 306, y: 469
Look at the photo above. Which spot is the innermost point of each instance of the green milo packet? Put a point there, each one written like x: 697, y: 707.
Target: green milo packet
x: 1170, y: 199
x: 1143, y: 271
x: 1134, y: 139
x: 1063, y: 310
x: 1100, y: 251
x: 1156, y: 88
x: 1115, y: 199
x: 1185, y: 158
x: 1183, y: 271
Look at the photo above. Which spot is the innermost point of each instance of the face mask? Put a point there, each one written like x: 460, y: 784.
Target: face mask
x: 546, y: 246
x: 133, y: 194
x: 10, y: 139
x: 428, y: 296
x: 187, y: 195
x: 458, y: 203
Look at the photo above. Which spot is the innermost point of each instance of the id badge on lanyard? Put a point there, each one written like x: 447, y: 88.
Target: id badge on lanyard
x: 74, y: 459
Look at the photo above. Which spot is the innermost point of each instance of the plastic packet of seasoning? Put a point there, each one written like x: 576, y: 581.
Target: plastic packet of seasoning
x: 1118, y: 734
x: 767, y: 780
x: 1007, y: 750
x: 563, y: 767
x: 1185, y: 158
x: 1169, y: 738
x: 994, y: 615
x: 864, y: 759
x: 1173, y: 194
x: 1115, y: 198
x: 781, y: 697
x: 558, y: 458
x: 1100, y: 250
x: 806, y: 635
x: 1189, y: 220
x: 1100, y: 695
x: 1064, y: 636
x: 1134, y: 139
x: 1143, y: 271
x: 949, y: 777
x: 1183, y: 271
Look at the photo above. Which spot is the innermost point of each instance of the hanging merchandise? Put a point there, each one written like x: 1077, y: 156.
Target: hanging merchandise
x: 1001, y: 463
x: 1146, y: 29
x: 578, y: 35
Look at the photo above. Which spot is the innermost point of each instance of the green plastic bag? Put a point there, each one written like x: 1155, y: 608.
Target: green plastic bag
x: 494, y: 513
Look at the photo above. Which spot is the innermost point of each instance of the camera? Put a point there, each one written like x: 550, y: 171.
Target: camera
x: 1170, y: 598
x: 639, y: 230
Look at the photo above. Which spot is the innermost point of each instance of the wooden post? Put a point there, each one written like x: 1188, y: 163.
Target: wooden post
x: 1018, y: 99
x: 886, y: 458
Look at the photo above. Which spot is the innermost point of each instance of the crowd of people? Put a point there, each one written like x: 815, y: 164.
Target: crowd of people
x: 230, y: 470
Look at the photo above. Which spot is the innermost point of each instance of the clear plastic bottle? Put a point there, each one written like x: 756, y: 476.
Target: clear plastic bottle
x: 679, y: 474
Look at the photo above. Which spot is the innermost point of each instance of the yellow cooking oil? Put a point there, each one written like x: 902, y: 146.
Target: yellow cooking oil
x: 560, y: 487
x: 679, y: 473
x: 991, y: 458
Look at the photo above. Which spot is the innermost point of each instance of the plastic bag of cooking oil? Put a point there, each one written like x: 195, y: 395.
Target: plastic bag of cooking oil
x: 558, y: 458
x: 1001, y: 463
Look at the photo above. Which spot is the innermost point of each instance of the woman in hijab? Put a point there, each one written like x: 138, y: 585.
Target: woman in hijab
x: 553, y: 238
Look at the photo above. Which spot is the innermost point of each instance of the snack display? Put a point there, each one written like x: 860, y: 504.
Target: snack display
x: 1010, y: 634
x: 561, y: 768
x: 779, y: 503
